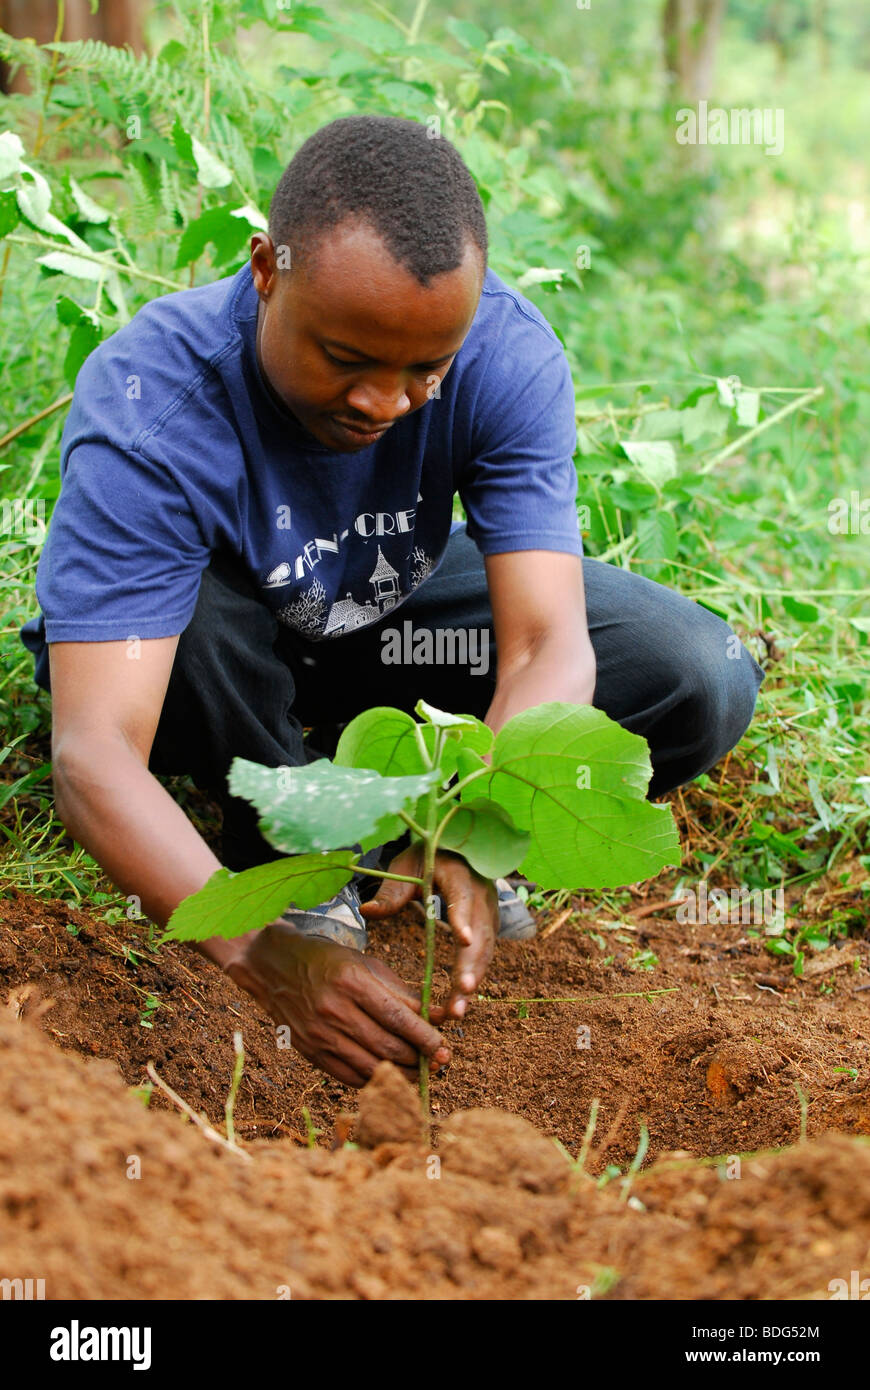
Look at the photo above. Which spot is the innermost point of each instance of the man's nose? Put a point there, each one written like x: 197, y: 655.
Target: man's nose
x: 380, y: 401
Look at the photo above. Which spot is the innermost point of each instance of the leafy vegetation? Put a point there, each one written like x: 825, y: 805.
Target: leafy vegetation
x: 715, y: 316
x: 559, y: 791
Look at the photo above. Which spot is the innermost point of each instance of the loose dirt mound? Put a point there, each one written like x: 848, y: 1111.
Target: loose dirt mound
x: 106, y: 1199
x: 712, y: 1049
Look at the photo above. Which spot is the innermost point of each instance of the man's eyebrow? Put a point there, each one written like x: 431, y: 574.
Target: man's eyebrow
x: 346, y: 347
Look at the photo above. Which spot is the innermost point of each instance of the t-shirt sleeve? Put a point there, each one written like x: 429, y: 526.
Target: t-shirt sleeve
x: 124, y: 553
x: 519, y: 489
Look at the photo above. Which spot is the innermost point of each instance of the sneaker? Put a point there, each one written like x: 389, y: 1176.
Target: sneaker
x: 516, y: 922
x: 338, y: 920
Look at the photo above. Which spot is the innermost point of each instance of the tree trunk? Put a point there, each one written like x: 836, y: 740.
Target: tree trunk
x: 118, y: 22
x: 690, y: 33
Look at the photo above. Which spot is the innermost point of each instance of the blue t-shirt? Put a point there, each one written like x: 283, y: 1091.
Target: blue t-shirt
x: 174, y: 449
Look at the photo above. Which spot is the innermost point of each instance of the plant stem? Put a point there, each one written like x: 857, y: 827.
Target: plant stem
x: 132, y: 270
x: 35, y: 419
x: 426, y: 992
x: 774, y: 419
x: 429, y: 845
x: 230, y: 1105
x: 459, y: 786
x: 384, y: 873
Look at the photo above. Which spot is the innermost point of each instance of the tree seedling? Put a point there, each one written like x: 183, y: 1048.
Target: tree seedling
x: 559, y: 794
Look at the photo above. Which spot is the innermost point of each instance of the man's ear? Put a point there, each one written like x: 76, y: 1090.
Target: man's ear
x: 264, y: 268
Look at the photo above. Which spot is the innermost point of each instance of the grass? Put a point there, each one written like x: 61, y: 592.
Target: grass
x: 776, y: 296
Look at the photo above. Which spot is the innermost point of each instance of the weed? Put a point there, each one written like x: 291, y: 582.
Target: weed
x: 149, y: 1009
x: 311, y: 1133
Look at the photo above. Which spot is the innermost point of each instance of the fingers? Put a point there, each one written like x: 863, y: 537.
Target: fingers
x: 392, y: 981
x: 392, y: 895
x: 377, y: 1042
x: 383, y: 1003
x: 472, y: 913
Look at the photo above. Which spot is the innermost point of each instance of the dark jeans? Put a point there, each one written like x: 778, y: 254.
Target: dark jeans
x: 243, y: 685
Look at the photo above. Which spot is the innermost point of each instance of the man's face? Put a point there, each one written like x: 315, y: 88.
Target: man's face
x: 355, y: 339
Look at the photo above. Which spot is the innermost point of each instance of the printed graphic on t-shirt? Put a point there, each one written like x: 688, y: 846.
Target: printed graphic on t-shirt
x: 310, y: 613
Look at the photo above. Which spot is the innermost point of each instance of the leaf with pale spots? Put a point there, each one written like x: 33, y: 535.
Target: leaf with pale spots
x: 323, y: 806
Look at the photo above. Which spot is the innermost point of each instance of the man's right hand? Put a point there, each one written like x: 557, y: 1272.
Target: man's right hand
x: 345, y: 1012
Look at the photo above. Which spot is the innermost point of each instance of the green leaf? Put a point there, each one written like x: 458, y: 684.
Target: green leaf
x: 660, y: 424
x: 804, y: 612
x: 70, y: 313
x: 381, y: 739
x: 34, y: 199
x: 657, y: 460
x: 465, y: 729
x: 778, y: 946
x: 68, y: 264
x: 83, y: 339
x: 468, y: 34
x: 88, y: 209
x: 577, y: 781
x: 384, y: 739
x: 218, y: 227
x: 540, y: 275
x: 823, y: 810
x: 9, y: 214
x: 484, y: 834
x: 323, y: 806
x: 211, y: 171
x: 707, y: 417
x: 230, y: 904
x: 440, y: 718
x: 467, y: 761
x: 372, y: 33
x: 182, y: 141
x: 11, y: 154
x: 748, y: 408
x: 657, y: 539
x: 817, y: 940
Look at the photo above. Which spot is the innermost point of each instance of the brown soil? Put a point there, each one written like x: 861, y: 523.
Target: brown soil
x: 717, y: 1067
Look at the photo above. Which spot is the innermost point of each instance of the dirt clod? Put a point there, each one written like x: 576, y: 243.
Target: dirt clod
x: 389, y: 1110
x: 498, y: 1148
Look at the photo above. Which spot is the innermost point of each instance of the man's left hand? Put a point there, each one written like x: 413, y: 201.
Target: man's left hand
x: 471, y: 903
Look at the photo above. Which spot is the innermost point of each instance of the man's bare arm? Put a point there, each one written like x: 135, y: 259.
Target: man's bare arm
x: 539, y: 614
x: 345, y: 1012
x: 105, y: 710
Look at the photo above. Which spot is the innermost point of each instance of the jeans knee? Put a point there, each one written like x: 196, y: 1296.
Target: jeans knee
x: 724, y: 684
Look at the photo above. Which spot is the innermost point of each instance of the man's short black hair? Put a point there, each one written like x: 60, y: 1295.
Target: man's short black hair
x: 413, y: 188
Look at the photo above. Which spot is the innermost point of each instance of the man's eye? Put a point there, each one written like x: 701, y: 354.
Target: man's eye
x: 340, y: 361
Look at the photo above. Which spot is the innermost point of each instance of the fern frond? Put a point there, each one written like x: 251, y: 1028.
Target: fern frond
x: 25, y: 52
x: 127, y: 72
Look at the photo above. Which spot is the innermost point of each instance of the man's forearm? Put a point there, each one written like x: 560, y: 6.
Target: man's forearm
x: 547, y: 674
x: 113, y: 806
